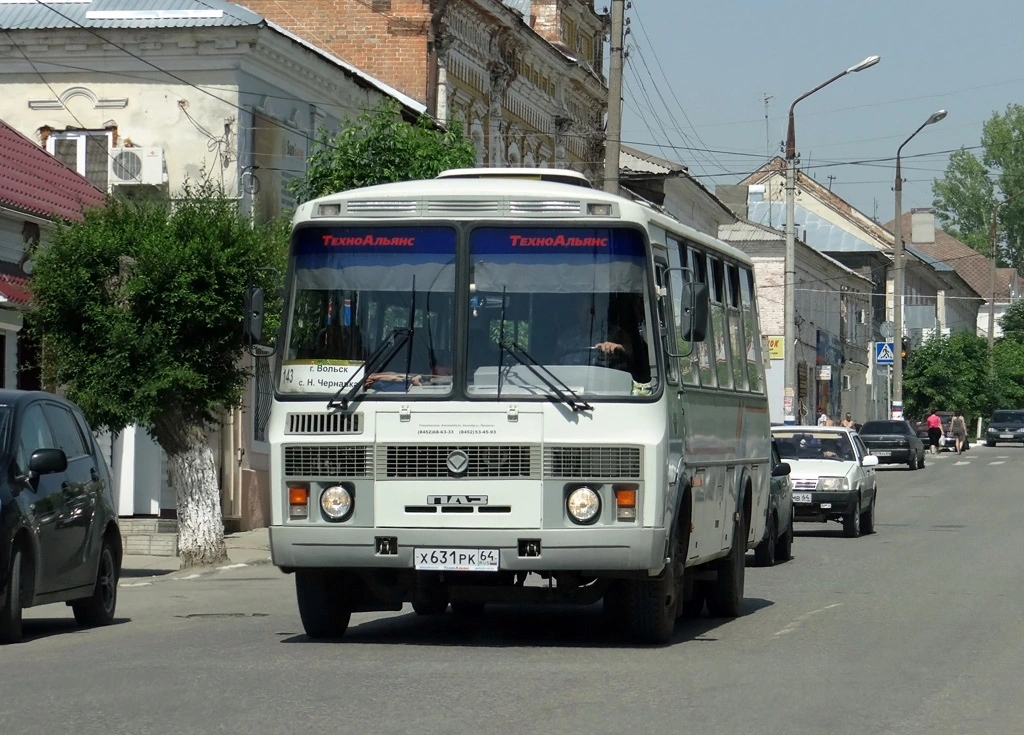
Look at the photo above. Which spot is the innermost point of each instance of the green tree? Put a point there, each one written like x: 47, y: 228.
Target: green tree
x: 965, y: 196
x: 1008, y: 374
x: 949, y: 373
x: 140, y: 306
x: 1012, y: 321
x: 381, y: 148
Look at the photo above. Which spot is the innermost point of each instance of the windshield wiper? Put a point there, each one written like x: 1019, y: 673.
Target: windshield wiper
x: 380, y: 357
x: 561, y: 391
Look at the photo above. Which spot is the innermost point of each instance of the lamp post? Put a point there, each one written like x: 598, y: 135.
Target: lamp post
x: 789, y: 338
x: 898, y: 280
x: 992, y: 235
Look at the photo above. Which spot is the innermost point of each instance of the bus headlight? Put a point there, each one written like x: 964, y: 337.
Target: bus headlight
x: 336, y: 503
x: 583, y: 505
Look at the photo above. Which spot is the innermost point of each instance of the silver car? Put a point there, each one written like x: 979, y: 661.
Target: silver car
x: 833, y: 476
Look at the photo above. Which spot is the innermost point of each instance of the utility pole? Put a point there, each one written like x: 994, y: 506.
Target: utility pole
x: 613, y: 139
x: 768, y: 151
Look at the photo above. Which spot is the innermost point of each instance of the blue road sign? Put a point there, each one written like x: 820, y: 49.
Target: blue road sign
x: 884, y: 353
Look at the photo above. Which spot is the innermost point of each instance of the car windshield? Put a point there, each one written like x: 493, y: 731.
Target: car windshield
x: 883, y: 427
x: 353, y: 289
x: 814, y: 445
x: 1008, y: 417
x: 574, y: 299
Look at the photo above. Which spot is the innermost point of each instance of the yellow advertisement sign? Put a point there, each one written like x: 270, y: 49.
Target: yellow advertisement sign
x: 776, y: 348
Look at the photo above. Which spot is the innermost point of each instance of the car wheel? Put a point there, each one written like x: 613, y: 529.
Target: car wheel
x: 764, y: 553
x: 989, y: 443
x: 912, y: 462
x: 851, y: 522
x: 322, y: 605
x: 10, y: 611
x: 725, y: 596
x: 867, y: 519
x: 920, y: 462
x: 98, y: 609
x: 784, y: 550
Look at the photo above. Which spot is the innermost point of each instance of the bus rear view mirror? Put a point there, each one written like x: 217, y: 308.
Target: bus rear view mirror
x: 253, y: 328
x: 694, y: 301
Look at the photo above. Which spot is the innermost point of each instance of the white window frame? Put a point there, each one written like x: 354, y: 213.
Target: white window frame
x: 80, y: 136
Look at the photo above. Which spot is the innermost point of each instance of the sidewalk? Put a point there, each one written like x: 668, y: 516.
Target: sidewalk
x: 249, y: 548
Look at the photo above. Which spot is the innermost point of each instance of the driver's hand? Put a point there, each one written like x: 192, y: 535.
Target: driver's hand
x: 609, y: 347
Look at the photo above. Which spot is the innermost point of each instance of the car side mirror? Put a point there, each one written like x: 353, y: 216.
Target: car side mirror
x: 46, y: 462
x: 781, y: 470
x: 254, y: 316
x: 869, y: 461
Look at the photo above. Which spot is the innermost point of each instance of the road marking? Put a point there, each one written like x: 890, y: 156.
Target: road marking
x: 961, y: 462
x: 191, y: 576
x: 997, y: 462
x: 1004, y: 457
x: 800, y: 620
x: 135, y: 584
x: 231, y: 566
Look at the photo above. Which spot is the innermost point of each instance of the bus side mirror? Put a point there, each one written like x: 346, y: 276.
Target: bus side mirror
x: 693, y: 308
x: 253, y: 328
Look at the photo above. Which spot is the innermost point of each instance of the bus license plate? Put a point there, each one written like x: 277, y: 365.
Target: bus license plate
x: 456, y: 560
x: 801, y: 497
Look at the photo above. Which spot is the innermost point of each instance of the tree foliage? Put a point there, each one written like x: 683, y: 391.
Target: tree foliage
x: 381, y: 148
x: 1012, y: 321
x: 948, y: 373
x: 966, y: 195
x: 140, y: 307
x: 1008, y: 374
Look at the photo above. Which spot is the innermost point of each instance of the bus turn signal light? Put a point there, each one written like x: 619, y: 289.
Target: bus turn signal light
x: 298, y: 500
x: 625, y: 502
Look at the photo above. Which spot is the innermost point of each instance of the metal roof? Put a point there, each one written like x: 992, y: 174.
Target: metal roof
x: 816, y: 231
x: 24, y: 15
x: 936, y: 263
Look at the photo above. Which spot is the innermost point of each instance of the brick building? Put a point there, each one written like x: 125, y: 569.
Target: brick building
x: 524, y: 77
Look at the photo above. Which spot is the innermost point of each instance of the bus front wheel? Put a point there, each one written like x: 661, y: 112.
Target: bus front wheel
x: 323, y: 606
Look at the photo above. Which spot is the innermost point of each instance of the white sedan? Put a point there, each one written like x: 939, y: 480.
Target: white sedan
x: 833, y: 476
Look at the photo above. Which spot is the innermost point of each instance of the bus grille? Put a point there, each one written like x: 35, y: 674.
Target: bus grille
x: 593, y: 463
x: 430, y: 461
x: 346, y: 461
x: 324, y: 423
x: 550, y: 206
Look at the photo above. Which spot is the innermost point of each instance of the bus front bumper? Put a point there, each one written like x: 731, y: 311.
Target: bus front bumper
x: 571, y: 549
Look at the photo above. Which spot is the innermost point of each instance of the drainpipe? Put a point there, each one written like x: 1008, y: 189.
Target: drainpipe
x: 432, y: 56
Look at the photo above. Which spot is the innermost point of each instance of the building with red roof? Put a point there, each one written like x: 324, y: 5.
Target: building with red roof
x: 36, y: 191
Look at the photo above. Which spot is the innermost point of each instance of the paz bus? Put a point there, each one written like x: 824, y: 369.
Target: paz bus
x: 504, y: 386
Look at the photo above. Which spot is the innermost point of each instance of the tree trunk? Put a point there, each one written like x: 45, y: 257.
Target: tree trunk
x: 200, y: 523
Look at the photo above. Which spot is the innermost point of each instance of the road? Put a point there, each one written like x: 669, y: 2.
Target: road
x: 916, y: 629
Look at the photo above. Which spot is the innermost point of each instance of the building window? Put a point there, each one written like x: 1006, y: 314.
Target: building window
x: 85, y: 151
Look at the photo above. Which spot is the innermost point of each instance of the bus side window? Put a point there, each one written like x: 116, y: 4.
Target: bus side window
x: 678, y: 257
x: 665, y: 327
x: 737, y: 344
x: 718, y: 323
x: 706, y: 349
x: 752, y: 332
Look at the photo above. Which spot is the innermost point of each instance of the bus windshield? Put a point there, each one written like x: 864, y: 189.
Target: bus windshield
x: 573, y: 299
x: 353, y: 289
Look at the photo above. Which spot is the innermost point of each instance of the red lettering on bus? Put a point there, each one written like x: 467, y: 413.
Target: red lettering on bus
x: 559, y: 241
x: 333, y: 241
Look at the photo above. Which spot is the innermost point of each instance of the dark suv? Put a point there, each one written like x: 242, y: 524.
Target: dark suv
x: 1005, y: 426
x: 59, y: 539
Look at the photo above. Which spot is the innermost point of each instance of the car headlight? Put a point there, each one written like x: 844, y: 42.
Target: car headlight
x: 833, y: 484
x: 583, y: 505
x: 336, y: 503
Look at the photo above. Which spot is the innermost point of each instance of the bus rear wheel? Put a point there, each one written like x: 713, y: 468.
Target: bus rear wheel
x: 323, y: 607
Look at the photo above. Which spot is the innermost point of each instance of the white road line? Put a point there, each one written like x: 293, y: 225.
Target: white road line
x: 135, y: 584
x: 997, y: 462
x: 800, y: 620
x: 961, y: 462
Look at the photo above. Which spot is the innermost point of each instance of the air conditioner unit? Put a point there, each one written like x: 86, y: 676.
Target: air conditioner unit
x: 138, y: 166
x: 846, y: 382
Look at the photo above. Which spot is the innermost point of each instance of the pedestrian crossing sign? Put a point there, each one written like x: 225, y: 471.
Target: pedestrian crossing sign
x: 884, y: 353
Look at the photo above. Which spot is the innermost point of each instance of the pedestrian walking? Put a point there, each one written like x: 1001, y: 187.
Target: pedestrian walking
x: 958, y: 428
x: 823, y: 419
x: 934, y: 430
x: 848, y: 421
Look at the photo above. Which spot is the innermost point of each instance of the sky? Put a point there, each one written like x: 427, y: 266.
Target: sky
x: 698, y: 72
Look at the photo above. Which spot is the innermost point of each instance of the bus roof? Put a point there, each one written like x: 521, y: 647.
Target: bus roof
x: 485, y: 197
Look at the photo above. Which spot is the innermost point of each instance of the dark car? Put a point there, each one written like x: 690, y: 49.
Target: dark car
x: 59, y: 539
x: 777, y: 544
x: 1005, y: 426
x: 894, y: 442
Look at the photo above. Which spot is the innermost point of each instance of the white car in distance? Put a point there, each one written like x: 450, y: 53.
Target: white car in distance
x: 833, y: 476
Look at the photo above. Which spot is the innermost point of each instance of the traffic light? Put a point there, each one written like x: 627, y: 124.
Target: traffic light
x: 904, y: 350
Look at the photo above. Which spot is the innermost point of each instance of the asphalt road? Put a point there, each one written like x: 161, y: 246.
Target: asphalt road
x: 916, y: 629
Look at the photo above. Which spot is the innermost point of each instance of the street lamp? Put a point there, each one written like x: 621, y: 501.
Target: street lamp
x: 897, y: 296
x: 789, y: 338
x: 993, y: 233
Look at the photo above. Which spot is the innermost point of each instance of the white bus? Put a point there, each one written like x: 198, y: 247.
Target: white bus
x: 505, y: 386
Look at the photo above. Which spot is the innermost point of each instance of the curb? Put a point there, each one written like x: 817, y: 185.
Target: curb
x: 193, y: 573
